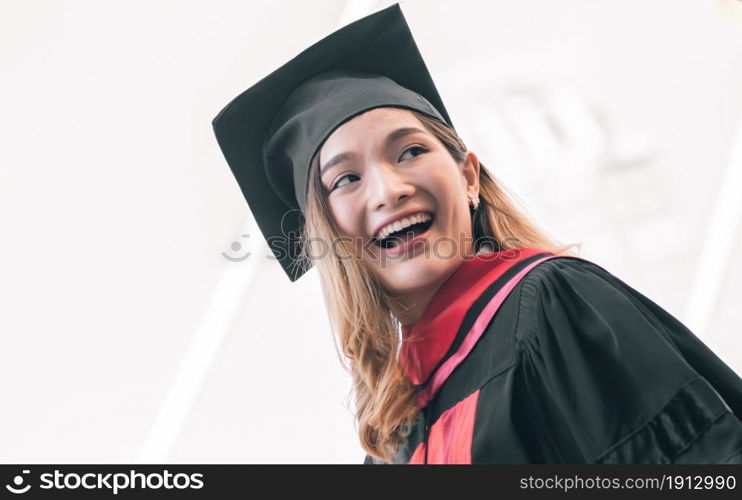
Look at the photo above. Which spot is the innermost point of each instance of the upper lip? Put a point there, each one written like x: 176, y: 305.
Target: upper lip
x: 399, y: 216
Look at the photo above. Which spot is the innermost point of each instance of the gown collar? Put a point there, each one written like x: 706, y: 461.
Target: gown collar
x: 439, y: 325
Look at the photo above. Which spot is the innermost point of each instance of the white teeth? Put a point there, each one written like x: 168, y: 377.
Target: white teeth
x: 403, y: 223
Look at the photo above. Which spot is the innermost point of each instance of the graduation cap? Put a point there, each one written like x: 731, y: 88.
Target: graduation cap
x: 271, y: 131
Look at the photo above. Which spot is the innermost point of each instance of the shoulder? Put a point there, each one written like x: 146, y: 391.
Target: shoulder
x: 574, y: 303
x: 556, y: 270
x: 562, y: 285
x: 620, y: 370
x: 571, y: 308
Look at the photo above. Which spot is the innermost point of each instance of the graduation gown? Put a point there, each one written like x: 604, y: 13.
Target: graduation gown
x: 529, y: 357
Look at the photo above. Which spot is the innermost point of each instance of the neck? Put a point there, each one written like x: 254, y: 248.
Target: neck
x: 408, y: 308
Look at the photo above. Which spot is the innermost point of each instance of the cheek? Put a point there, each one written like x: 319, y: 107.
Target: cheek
x: 347, y: 216
x: 445, y: 189
x: 349, y: 220
x: 453, y: 213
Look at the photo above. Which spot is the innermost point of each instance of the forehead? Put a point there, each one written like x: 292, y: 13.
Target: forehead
x: 376, y: 122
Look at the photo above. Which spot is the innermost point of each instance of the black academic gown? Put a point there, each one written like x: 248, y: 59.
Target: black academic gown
x: 574, y: 366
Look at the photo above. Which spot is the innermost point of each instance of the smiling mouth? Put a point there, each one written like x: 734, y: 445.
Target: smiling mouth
x: 406, y: 234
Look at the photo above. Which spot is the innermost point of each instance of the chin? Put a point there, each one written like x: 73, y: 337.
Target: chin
x: 410, y: 276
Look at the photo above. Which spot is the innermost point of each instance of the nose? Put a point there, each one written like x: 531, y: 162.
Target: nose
x: 386, y: 186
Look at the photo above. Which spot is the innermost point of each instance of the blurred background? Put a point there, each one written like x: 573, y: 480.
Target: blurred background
x: 141, y: 317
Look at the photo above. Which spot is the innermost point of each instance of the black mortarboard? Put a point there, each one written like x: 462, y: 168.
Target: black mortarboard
x: 271, y: 131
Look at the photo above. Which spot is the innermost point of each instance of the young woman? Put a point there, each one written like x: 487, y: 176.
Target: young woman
x: 471, y: 336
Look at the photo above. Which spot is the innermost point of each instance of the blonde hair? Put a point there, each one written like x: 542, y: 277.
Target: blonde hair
x: 359, y: 309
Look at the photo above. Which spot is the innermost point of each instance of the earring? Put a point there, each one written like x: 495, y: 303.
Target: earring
x: 474, y: 202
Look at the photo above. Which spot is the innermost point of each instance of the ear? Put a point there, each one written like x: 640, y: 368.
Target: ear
x: 470, y: 171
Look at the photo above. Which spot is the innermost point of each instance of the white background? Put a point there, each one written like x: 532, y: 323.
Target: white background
x: 126, y: 335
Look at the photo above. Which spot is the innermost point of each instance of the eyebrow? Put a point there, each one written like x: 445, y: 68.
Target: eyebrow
x: 393, y: 136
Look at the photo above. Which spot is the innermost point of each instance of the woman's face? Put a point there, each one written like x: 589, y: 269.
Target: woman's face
x: 385, y: 166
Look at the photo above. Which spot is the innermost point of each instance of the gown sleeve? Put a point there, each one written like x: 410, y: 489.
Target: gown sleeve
x: 610, y: 377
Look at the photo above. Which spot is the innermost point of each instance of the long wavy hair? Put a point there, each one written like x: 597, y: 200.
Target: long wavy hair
x: 364, y: 328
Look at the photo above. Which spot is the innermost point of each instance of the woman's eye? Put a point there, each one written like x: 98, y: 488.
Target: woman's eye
x: 340, y: 181
x: 420, y: 150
